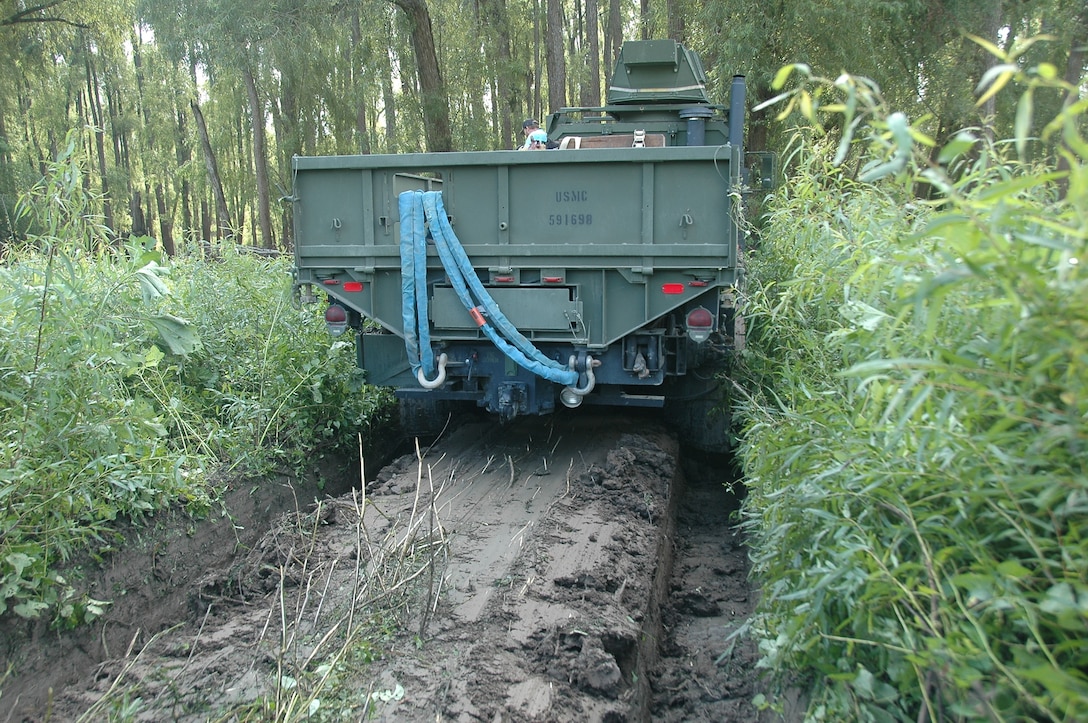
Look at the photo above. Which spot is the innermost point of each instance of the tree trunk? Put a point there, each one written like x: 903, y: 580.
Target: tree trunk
x: 435, y: 102
x: 986, y: 60
x: 260, y: 161
x: 184, y: 154
x: 555, y: 56
x: 496, y: 18
x: 613, y: 39
x: 674, y: 11
x: 222, y: 214
x: 591, y: 89
x: 166, y: 222
x: 94, y: 107
x: 205, y: 221
x: 1074, y: 76
x: 358, y: 85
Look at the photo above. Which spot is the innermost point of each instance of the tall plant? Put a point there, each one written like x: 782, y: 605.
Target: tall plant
x: 915, y: 450
x: 77, y: 450
x: 113, y: 407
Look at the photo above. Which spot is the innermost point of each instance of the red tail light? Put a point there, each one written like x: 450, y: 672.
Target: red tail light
x: 336, y: 319
x: 700, y: 323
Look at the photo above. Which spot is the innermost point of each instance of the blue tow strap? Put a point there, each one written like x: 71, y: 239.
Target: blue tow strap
x: 413, y: 286
x: 466, y: 284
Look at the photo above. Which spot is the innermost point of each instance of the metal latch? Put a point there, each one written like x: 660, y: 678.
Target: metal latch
x: 640, y: 139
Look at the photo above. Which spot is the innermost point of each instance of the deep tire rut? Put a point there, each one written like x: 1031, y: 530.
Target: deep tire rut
x: 706, y: 668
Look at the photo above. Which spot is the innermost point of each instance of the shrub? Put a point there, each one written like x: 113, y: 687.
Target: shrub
x: 127, y: 379
x: 915, y: 443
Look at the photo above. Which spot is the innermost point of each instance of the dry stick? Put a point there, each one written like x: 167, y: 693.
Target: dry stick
x: 415, y: 504
x: 324, y: 639
x: 300, y: 609
x: 296, y: 626
x: 556, y: 445
x: 430, y: 559
x: 325, y: 590
x: 283, y: 639
x: 90, y: 713
x: 358, y: 562
x: 196, y: 641
x: 192, y: 651
x: 424, y: 619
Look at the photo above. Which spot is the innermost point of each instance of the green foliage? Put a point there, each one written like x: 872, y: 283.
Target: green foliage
x: 125, y: 380
x: 915, y: 446
x: 267, y: 384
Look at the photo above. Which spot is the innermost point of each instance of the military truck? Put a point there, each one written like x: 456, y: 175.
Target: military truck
x: 603, y: 271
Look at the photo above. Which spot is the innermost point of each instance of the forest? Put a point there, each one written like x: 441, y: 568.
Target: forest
x: 189, y: 112
x: 911, y: 411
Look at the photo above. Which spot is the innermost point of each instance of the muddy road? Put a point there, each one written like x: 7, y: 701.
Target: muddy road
x: 579, y: 567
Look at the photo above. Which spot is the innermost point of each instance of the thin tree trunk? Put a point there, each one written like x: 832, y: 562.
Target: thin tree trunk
x: 184, y: 154
x: 555, y: 55
x: 591, y: 89
x: 166, y: 223
x: 674, y: 11
x: 435, y: 101
x: 358, y: 85
x: 94, y: 106
x: 206, y: 220
x: 260, y: 161
x: 1074, y: 76
x: 613, y: 38
x: 986, y: 60
x: 535, y: 83
x: 222, y: 214
x: 495, y: 16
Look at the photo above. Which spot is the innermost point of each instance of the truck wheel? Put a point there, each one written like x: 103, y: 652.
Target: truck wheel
x: 426, y: 419
x: 701, y: 421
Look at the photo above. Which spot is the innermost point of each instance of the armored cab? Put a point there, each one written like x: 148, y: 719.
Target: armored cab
x: 600, y: 272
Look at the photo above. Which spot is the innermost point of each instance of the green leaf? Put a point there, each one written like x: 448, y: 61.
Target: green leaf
x: 863, y: 315
x: 153, y: 356
x: 151, y: 286
x: 989, y: 46
x: 178, y: 334
x: 29, y: 609
x: 961, y: 143
x: 784, y: 72
x: 993, y: 81
x: 1013, y: 569
x: 19, y: 562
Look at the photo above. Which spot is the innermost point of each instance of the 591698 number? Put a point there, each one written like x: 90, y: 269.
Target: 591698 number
x: 570, y: 219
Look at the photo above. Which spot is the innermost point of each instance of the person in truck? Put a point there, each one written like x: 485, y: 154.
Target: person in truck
x: 535, y: 138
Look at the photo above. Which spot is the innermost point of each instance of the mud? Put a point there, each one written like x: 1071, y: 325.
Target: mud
x: 551, y: 570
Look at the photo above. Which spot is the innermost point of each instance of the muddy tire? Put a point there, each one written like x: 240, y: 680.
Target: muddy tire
x: 426, y: 419
x: 700, y: 417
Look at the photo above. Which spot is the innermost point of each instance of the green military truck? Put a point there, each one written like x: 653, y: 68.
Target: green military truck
x: 602, y: 271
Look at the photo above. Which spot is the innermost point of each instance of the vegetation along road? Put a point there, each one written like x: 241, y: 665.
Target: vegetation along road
x: 183, y: 530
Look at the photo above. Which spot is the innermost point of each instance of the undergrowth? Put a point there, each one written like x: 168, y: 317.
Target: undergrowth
x: 916, y: 433
x: 126, y: 378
